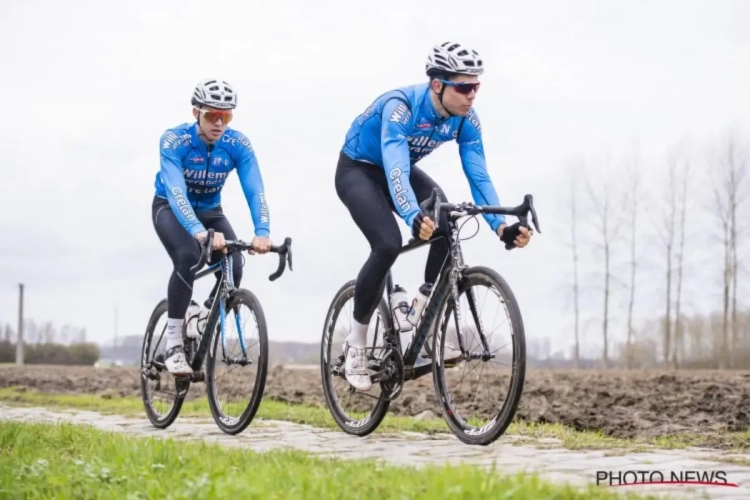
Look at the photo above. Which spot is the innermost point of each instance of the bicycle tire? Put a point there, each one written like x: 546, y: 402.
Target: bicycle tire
x: 491, y: 432
x: 171, y: 416
x: 234, y: 426
x: 368, y: 424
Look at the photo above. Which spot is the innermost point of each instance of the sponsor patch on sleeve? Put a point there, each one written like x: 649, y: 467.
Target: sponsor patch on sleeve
x: 401, y: 114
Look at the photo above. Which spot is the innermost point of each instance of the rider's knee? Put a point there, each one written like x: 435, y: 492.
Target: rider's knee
x: 389, y: 248
x: 187, y: 257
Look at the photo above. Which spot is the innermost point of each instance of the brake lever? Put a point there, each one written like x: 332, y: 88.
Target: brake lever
x: 285, y: 251
x: 431, y: 206
x: 288, y: 243
x: 529, y: 199
x: 205, y: 256
x: 209, y: 245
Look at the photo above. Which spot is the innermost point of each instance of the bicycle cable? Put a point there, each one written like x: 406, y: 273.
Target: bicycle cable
x: 462, y: 225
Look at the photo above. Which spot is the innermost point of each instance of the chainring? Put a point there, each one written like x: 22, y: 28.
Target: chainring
x: 393, y: 361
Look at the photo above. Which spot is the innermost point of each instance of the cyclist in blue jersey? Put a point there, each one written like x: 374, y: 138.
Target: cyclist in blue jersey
x: 196, y: 159
x: 377, y: 175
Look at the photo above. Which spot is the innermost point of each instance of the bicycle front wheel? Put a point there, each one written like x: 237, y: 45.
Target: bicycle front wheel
x: 237, y: 364
x: 490, y: 321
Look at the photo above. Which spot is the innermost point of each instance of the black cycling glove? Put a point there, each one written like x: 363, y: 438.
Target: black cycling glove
x: 510, y: 233
x: 416, y: 224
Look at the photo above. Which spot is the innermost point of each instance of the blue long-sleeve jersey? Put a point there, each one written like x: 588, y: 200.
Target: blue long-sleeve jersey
x: 400, y: 128
x: 192, y: 175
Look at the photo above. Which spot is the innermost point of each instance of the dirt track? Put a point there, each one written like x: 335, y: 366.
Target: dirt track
x: 620, y: 404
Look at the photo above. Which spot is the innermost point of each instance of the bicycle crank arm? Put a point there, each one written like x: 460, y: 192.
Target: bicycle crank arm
x: 381, y: 375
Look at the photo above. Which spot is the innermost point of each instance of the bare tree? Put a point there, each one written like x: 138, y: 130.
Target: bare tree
x: 574, y: 181
x: 608, y: 205
x: 633, y: 170
x: 696, y: 327
x: 667, y: 236
x: 729, y: 168
x: 47, y: 332
x: 679, y: 350
x: 65, y: 334
x: 30, y: 332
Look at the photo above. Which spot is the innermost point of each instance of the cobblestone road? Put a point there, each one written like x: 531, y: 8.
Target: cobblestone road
x: 547, y: 457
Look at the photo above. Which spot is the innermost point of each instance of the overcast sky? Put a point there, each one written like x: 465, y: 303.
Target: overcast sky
x: 90, y: 87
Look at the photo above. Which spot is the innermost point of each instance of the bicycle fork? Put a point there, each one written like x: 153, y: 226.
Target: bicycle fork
x: 456, y: 272
x: 227, y: 288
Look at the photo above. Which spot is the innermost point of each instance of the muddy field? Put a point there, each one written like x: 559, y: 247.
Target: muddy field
x: 620, y: 404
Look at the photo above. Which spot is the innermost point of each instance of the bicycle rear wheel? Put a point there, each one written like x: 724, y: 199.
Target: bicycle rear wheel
x: 356, y: 412
x: 243, y: 352
x: 486, y: 358
x: 153, y: 370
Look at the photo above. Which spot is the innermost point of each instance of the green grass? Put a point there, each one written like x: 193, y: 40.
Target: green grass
x: 319, y: 416
x: 67, y: 461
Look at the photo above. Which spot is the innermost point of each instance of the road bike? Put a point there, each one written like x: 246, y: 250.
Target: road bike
x: 391, y: 366
x: 224, y: 299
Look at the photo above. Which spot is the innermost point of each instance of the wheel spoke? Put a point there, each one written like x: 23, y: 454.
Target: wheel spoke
x: 156, y: 382
x: 480, y: 414
x: 355, y: 412
x: 236, y: 368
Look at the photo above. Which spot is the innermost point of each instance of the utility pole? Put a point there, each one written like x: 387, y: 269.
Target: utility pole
x: 19, y: 339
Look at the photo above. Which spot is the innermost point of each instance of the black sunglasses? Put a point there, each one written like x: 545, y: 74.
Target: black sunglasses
x: 461, y: 87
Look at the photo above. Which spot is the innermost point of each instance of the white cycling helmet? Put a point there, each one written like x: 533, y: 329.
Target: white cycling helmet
x: 454, y: 58
x: 215, y: 93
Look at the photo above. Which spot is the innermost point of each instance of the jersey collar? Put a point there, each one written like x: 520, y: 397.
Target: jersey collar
x: 430, y: 110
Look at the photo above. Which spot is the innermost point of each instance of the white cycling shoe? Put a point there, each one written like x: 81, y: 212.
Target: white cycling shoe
x: 355, y: 368
x: 176, y: 362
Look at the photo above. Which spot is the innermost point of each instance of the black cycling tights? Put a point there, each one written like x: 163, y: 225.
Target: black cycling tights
x: 363, y: 188
x: 185, y: 252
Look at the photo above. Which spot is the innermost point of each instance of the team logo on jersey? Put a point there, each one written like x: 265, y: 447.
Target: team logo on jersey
x: 401, y: 114
x: 240, y: 139
x: 168, y: 140
x: 183, y: 204
x: 172, y: 141
x: 474, y: 119
x: 402, y: 196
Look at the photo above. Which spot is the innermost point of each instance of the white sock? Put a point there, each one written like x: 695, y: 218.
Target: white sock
x: 358, y: 335
x: 174, y: 332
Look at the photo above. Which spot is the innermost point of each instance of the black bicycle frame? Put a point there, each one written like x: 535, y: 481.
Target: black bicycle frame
x: 224, y: 289
x: 429, y: 312
x: 447, y: 280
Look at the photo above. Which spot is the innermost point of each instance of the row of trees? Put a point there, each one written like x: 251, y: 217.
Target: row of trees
x: 46, y: 344
x: 665, y: 239
x: 44, y: 333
